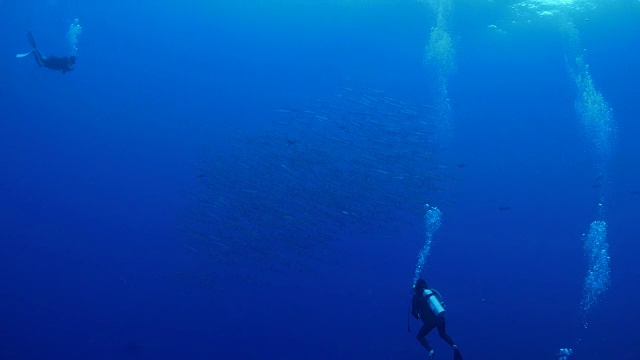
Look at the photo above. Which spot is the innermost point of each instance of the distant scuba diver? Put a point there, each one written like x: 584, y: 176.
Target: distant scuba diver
x: 62, y: 64
x: 427, y: 305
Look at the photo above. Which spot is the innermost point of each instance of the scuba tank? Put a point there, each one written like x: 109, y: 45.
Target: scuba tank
x: 432, y: 297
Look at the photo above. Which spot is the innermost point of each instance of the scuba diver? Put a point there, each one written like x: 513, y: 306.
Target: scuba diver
x: 62, y: 64
x: 427, y: 305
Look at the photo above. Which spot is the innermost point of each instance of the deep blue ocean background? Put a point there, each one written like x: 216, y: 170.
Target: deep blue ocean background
x: 101, y: 168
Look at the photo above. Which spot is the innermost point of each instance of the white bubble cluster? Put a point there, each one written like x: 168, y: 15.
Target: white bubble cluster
x: 432, y: 222
x: 432, y: 219
x: 598, y: 275
x: 564, y: 354
x: 440, y: 53
x: 547, y: 8
x: 599, y: 128
x: 594, y: 111
x: 73, y: 34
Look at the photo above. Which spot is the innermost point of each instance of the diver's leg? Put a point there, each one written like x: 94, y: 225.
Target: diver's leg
x: 35, y: 51
x: 32, y: 40
x: 442, y: 330
x: 39, y: 58
x: 422, y: 336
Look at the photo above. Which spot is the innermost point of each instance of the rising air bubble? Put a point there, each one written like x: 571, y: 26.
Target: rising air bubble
x: 432, y: 222
x: 598, y: 274
x: 73, y: 34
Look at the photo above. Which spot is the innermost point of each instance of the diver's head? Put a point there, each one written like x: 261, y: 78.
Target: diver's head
x: 72, y: 60
x: 420, y: 285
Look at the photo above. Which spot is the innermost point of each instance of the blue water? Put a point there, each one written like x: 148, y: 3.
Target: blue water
x: 104, y: 170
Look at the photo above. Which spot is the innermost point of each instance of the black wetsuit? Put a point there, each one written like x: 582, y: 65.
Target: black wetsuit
x: 63, y: 64
x: 420, y: 309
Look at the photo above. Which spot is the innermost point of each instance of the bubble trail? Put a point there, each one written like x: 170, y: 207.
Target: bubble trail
x: 432, y: 222
x: 598, y: 273
x: 74, y: 32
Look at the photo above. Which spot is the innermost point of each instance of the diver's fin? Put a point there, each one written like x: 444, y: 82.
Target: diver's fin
x: 32, y: 40
x: 456, y: 354
x: 20, y: 56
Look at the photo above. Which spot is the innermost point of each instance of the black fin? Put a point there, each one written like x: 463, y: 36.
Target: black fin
x: 457, y: 355
x: 32, y: 40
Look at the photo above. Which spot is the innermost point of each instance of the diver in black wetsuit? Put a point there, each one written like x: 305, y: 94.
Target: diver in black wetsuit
x: 62, y: 64
x: 427, y: 306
